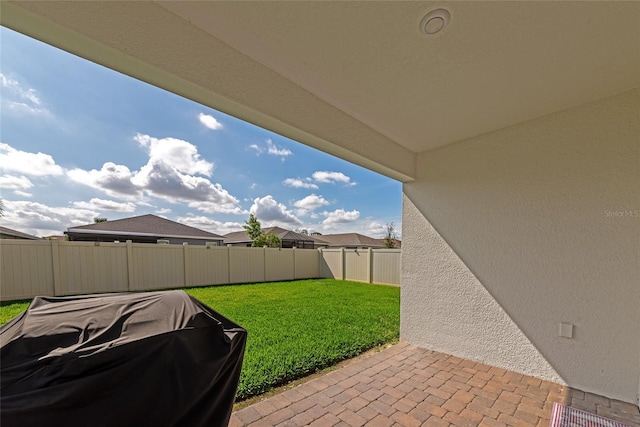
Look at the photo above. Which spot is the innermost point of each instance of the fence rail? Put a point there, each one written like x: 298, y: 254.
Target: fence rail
x: 54, y: 268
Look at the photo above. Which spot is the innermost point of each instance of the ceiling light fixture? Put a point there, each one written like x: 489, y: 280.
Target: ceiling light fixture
x: 435, y: 21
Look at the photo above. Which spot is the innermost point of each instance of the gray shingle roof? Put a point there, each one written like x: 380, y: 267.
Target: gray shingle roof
x: 145, y: 225
x: 14, y: 233
x: 352, y: 239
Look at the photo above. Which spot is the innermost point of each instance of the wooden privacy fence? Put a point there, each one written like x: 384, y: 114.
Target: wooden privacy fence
x: 54, y: 268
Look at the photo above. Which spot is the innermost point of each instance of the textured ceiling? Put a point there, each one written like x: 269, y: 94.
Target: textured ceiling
x: 358, y: 79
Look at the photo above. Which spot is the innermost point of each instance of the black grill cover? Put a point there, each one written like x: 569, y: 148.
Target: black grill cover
x: 146, y: 359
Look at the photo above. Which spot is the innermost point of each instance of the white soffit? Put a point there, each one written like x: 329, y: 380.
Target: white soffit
x: 358, y: 79
x: 496, y: 64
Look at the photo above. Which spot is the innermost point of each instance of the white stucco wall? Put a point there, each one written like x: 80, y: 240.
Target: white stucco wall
x: 508, y: 234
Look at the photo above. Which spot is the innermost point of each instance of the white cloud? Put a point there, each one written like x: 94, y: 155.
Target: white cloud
x: 105, y: 205
x: 375, y: 229
x: 217, y: 207
x: 258, y: 149
x: 275, y: 151
x: 11, y: 182
x: 271, y: 213
x: 298, y: 183
x: 27, y: 94
x: 170, y: 174
x: 22, y: 193
x: 272, y: 149
x: 39, y: 219
x: 163, y: 181
x: 209, y: 121
x: 115, y: 180
x: 324, y: 177
x: 378, y: 229
x: 181, y: 155
x: 309, y: 203
x: 210, y: 225
x: 327, y: 177
x: 32, y: 164
x: 339, y: 216
x: 18, y: 98
x: 163, y: 211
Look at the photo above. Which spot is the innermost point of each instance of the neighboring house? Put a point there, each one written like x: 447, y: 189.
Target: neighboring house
x: 60, y: 238
x: 7, y: 233
x: 517, y: 149
x: 142, y: 229
x: 289, y: 239
x: 318, y: 241
x: 352, y: 241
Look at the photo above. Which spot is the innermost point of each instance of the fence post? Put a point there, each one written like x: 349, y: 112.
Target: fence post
x: 264, y: 264
x: 343, y: 264
x: 185, y: 250
x: 370, y: 266
x: 129, y: 265
x: 294, y: 263
x: 228, y: 264
x: 55, y: 259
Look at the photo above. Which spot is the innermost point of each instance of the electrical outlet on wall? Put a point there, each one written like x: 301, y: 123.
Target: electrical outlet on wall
x: 565, y: 330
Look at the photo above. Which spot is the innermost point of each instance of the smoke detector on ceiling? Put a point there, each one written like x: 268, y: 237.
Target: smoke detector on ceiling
x: 435, y: 21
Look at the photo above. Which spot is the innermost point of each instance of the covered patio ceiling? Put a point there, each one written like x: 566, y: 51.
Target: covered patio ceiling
x: 359, y: 80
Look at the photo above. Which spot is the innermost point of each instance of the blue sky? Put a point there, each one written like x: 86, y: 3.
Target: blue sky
x: 79, y: 141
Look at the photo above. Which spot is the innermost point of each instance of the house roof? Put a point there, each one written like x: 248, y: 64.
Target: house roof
x: 318, y: 240
x: 145, y: 225
x: 352, y: 239
x: 56, y: 237
x: 282, y: 233
x: 14, y: 233
x: 359, y: 80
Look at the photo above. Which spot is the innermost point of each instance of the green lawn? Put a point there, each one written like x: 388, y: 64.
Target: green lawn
x: 10, y: 309
x: 296, y: 328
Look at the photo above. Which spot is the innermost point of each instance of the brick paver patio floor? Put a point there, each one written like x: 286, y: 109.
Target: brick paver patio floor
x: 407, y: 386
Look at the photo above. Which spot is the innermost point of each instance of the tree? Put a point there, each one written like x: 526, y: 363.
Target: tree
x: 391, y: 236
x: 253, y: 227
x: 99, y: 219
x: 1, y: 208
x: 270, y: 240
x: 273, y: 241
x: 302, y: 231
x: 260, y: 239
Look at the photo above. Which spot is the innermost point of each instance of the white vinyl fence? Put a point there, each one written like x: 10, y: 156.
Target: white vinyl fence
x: 361, y: 265
x: 54, y: 268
